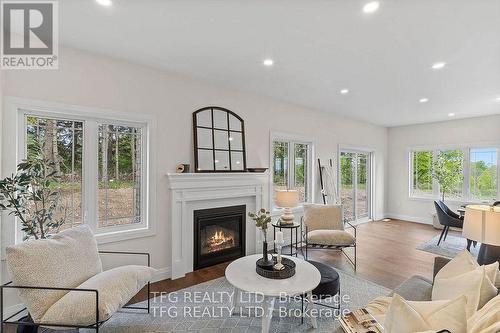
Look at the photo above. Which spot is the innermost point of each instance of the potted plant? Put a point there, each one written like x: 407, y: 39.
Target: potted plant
x: 262, y: 219
x: 32, y: 195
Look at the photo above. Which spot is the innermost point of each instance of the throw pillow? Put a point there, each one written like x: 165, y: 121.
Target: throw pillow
x: 116, y: 287
x: 409, y: 317
x: 465, y: 262
x: 487, y: 319
x: 475, y: 285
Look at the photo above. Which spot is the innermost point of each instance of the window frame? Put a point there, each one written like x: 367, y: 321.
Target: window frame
x: 292, y: 139
x: 466, y: 191
x: 15, y: 113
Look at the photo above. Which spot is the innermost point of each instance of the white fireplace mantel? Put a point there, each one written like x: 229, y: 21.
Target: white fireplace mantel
x: 192, y: 191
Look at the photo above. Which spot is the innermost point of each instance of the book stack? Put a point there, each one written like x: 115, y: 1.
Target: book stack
x: 360, y: 321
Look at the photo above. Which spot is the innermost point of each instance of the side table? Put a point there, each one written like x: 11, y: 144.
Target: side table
x: 294, y: 246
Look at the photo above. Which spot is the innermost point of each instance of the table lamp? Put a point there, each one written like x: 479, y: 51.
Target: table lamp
x: 482, y: 224
x: 287, y: 199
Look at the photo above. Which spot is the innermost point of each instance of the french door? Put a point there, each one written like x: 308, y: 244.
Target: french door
x: 355, y: 184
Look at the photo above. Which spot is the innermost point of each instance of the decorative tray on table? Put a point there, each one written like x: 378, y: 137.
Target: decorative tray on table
x: 267, y: 270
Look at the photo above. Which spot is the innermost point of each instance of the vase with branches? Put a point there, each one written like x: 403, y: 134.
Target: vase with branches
x: 447, y: 170
x: 32, y: 195
x: 262, y: 219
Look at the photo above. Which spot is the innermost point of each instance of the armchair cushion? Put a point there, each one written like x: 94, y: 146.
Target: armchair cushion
x: 323, y: 217
x: 65, y: 260
x: 115, y: 286
x: 331, y: 238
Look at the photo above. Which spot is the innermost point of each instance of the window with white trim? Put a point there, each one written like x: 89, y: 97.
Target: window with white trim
x: 103, y: 165
x: 291, y: 166
x: 478, y: 181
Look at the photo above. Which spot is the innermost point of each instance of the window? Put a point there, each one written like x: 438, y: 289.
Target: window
x: 475, y: 170
x: 62, y: 142
x: 292, y: 166
x: 422, y: 172
x: 103, y: 165
x: 453, y: 163
x: 483, y: 173
x: 119, y: 175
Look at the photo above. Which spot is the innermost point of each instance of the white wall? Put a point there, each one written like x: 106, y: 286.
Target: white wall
x: 482, y: 130
x: 96, y: 81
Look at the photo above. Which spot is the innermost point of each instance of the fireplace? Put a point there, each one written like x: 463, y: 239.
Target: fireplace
x: 219, y: 235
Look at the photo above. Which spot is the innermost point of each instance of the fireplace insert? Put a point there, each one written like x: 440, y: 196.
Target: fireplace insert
x: 219, y: 235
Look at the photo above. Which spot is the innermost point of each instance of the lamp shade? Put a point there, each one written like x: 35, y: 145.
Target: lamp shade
x: 482, y: 224
x: 287, y: 198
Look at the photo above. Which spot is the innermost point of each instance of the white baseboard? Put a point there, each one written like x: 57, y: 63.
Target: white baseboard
x: 162, y: 274
x: 415, y: 219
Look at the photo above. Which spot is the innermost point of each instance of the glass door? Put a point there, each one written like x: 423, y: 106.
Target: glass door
x: 355, y: 184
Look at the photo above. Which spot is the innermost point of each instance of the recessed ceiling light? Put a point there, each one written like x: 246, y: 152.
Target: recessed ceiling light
x: 344, y: 91
x: 497, y: 99
x: 438, y: 65
x: 423, y: 100
x: 371, y: 7
x: 451, y: 114
x: 105, y: 3
x: 268, y: 62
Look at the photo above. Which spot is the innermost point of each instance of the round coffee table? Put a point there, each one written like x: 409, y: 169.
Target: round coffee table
x: 242, y: 276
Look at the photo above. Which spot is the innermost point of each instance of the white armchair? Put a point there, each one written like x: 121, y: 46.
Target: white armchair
x: 325, y: 228
x: 62, y: 284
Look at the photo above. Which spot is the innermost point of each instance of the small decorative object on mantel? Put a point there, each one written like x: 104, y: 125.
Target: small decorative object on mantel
x: 287, y: 199
x: 262, y: 219
x: 182, y: 168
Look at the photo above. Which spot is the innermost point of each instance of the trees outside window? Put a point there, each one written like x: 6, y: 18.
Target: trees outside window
x: 422, y: 172
x: 448, y: 172
x: 291, y: 167
x: 103, y: 188
x: 466, y: 174
x: 483, y: 173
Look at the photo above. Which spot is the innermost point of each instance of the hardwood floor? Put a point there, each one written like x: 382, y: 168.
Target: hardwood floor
x: 387, y: 255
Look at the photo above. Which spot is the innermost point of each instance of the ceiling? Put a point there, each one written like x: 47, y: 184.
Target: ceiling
x: 319, y: 47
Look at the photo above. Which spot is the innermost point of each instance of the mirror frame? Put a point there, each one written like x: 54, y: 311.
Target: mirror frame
x: 213, y: 149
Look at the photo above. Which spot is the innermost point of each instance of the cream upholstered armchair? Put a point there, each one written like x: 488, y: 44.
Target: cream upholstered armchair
x: 325, y: 228
x: 61, y: 281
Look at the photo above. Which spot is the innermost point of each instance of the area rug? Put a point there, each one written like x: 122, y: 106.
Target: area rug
x: 205, y: 308
x: 450, y: 248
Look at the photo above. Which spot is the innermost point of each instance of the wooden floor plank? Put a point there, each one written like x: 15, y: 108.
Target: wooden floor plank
x: 387, y: 255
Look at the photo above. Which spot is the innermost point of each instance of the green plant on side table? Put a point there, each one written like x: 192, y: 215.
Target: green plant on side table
x: 32, y: 195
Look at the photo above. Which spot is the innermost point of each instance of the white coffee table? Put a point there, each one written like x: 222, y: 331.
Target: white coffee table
x: 243, y: 277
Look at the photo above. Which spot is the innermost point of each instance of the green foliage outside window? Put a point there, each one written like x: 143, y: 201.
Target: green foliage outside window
x: 422, y: 172
x: 448, y: 172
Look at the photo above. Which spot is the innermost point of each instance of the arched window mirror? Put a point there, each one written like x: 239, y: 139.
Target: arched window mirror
x: 219, y: 140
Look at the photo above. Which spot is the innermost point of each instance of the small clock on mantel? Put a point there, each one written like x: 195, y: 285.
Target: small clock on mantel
x: 219, y: 140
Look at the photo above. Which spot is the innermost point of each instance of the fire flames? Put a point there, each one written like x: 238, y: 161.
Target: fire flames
x: 219, y: 241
